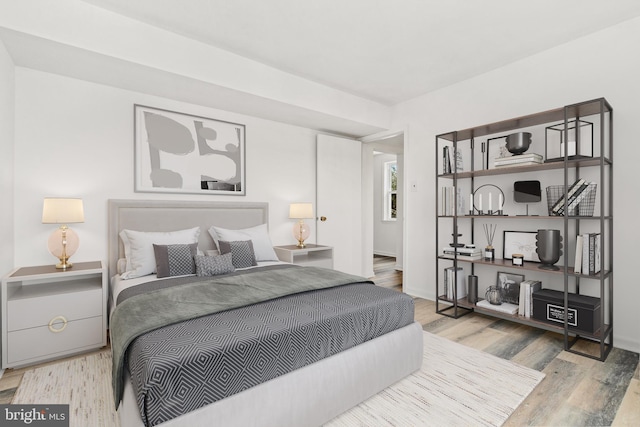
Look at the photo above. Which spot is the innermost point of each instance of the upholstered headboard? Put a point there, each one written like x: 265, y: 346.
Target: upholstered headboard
x: 164, y: 215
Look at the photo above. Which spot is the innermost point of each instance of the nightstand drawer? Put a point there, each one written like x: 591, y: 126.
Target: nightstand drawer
x: 37, y: 342
x: 39, y: 311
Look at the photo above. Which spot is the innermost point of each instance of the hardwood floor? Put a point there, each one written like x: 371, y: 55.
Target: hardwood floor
x: 576, y: 391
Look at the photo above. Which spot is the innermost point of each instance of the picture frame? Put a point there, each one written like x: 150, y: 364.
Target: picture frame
x: 520, y: 242
x: 509, y: 285
x: 183, y: 153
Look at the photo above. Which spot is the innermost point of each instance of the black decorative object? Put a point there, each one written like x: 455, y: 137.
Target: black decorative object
x: 527, y: 192
x: 483, y: 196
x: 548, y: 248
x: 472, y: 293
x: 518, y: 143
x: 578, y: 141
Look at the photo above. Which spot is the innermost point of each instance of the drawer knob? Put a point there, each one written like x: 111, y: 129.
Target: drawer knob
x: 52, y: 324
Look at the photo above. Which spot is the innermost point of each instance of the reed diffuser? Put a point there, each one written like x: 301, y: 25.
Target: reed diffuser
x: 489, y: 233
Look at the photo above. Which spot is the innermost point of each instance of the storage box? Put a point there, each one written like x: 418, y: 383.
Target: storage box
x: 584, y: 311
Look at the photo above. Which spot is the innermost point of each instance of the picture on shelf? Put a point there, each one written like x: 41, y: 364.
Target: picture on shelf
x: 509, y: 285
x: 520, y: 242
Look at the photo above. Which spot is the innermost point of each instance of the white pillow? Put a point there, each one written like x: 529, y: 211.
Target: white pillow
x: 259, y: 236
x: 138, y: 248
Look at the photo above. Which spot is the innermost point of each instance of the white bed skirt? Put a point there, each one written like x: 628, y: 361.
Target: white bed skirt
x: 310, y: 396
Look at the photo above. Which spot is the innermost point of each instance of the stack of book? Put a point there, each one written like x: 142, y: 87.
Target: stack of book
x: 463, y: 253
x: 518, y: 160
x: 525, y: 302
x: 577, y: 192
x: 450, y: 277
x: 588, y: 254
x: 450, y: 202
x: 505, y: 307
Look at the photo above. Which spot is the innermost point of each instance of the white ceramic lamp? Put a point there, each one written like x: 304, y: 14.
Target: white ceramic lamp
x: 301, y: 211
x: 64, y: 241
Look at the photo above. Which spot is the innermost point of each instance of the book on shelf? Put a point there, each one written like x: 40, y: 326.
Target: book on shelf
x: 448, y: 203
x: 505, y: 307
x: 582, y: 193
x: 450, y: 277
x: 446, y: 160
x: 527, y: 163
x: 559, y: 204
x: 591, y: 253
x: 525, y: 302
x: 521, y: 158
x: 452, y: 255
x: 577, y: 264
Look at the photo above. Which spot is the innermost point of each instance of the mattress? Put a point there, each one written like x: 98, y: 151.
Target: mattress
x: 185, y: 366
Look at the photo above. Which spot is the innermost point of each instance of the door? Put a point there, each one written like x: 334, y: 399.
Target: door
x: 339, y: 201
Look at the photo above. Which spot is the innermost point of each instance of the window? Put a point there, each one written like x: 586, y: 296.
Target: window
x: 390, y: 191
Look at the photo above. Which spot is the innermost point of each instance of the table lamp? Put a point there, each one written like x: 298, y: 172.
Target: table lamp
x: 301, y: 211
x: 64, y: 241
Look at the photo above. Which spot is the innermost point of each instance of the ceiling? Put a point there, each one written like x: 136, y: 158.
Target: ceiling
x: 387, y: 51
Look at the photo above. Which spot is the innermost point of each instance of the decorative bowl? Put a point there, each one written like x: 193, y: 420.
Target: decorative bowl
x: 518, y: 143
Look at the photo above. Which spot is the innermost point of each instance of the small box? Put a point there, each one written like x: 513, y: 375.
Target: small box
x: 584, y: 311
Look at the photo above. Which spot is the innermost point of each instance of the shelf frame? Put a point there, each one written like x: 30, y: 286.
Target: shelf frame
x: 604, y: 162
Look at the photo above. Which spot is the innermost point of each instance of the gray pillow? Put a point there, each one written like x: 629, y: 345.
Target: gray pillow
x: 242, y: 254
x: 175, y: 260
x: 214, y: 265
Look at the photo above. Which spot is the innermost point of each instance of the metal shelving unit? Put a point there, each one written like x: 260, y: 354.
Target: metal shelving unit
x: 597, y: 110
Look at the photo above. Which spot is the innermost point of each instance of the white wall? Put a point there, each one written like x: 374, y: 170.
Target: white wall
x: 6, y: 159
x: 75, y: 138
x: 384, y: 232
x: 600, y: 65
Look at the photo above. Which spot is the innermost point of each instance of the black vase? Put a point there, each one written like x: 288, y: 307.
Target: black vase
x: 549, y: 248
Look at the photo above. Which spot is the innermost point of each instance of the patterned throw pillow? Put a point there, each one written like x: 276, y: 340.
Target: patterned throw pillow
x: 214, y: 265
x: 242, y: 254
x: 175, y: 260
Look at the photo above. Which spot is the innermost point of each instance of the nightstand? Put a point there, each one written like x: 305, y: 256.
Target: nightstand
x: 48, y: 313
x: 313, y: 255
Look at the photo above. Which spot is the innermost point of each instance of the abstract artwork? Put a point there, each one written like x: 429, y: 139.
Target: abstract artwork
x: 182, y: 153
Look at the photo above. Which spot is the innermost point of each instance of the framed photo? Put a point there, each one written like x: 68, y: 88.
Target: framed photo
x: 520, y: 242
x: 509, y: 284
x: 182, y: 153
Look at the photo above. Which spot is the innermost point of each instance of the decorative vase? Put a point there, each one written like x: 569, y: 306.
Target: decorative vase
x: 549, y: 248
x: 493, y: 295
x: 472, y: 293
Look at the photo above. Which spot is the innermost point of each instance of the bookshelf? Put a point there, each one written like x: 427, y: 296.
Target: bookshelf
x: 466, y: 227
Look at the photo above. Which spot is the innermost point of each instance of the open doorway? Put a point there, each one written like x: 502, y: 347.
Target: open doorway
x: 385, y: 205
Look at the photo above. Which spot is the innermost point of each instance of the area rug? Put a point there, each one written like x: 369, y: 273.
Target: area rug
x: 457, y: 385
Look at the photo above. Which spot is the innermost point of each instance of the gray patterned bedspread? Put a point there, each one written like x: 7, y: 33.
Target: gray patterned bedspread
x: 186, y: 365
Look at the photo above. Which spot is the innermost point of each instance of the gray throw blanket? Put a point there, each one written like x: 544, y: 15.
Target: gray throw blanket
x: 207, y: 295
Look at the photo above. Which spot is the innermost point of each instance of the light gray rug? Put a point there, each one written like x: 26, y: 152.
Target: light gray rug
x: 457, y: 385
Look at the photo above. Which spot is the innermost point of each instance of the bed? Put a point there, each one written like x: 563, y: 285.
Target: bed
x: 310, y: 393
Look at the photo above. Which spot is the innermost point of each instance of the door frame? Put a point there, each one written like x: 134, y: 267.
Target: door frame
x: 369, y: 143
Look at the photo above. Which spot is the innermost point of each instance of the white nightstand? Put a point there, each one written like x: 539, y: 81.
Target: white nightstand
x: 49, y: 313
x: 314, y: 255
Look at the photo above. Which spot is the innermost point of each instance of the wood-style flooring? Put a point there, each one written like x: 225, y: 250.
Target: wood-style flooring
x: 576, y: 391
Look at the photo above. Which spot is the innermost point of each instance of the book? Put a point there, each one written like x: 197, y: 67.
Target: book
x: 585, y: 253
x: 522, y: 158
x: 527, y: 163
x: 505, y: 307
x: 580, y: 195
x: 446, y: 160
x: 525, y: 304
x: 577, y: 265
x: 594, y: 253
x: 572, y: 189
x: 450, y: 279
x: 451, y: 255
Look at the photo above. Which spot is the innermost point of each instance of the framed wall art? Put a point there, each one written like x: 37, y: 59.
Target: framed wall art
x: 183, y: 153
x: 520, y: 242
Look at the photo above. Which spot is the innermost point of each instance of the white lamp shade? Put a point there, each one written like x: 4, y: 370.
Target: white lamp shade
x: 300, y: 210
x: 62, y: 211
